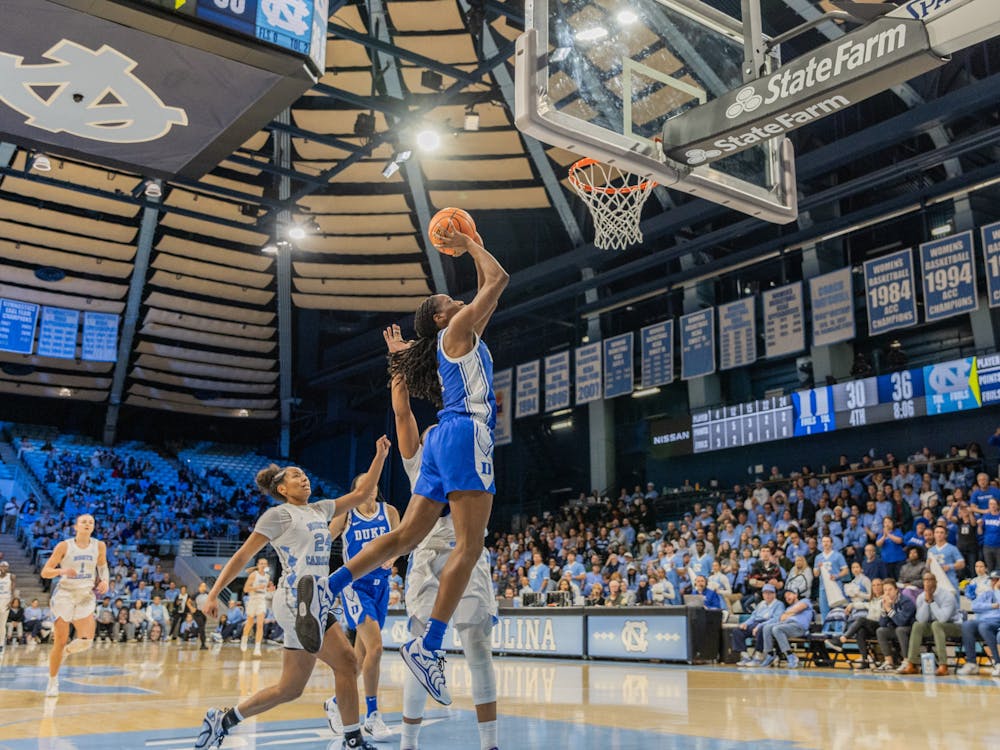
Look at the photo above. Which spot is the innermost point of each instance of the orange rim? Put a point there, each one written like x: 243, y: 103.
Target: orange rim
x: 588, y: 162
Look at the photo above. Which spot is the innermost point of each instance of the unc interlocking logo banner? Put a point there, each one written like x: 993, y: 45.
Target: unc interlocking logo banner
x: 400, y: 633
x: 290, y: 15
x: 88, y: 94
x: 634, y: 636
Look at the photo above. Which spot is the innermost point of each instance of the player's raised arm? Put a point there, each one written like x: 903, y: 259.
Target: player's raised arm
x: 407, y: 432
x: 492, y: 278
x: 367, y: 482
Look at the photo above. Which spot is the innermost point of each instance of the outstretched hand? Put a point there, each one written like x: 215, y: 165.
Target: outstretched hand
x: 394, y: 340
x: 382, y: 447
x: 458, y: 243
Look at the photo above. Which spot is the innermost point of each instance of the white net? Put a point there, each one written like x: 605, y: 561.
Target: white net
x: 615, y: 199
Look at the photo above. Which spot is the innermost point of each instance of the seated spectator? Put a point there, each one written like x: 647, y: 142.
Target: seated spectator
x: 711, y: 598
x: 33, y: 622
x: 898, y: 614
x: 137, y: 622
x: 800, y: 577
x: 189, y: 628
x: 862, y: 625
x: 769, y: 609
x: 120, y: 628
x: 981, y: 582
x: 157, y: 613
x: 911, y: 572
x: 762, y: 573
x: 15, y: 622
x: 719, y: 583
x: 596, y: 596
x: 643, y: 594
x: 662, y: 590
x: 872, y: 566
x: 105, y: 619
x: 617, y: 595
x: 938, y: 613
x: 986, y: 626
x: 794, y: 622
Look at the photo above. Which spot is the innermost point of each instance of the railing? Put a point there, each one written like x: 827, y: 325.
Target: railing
x: 208, y: 547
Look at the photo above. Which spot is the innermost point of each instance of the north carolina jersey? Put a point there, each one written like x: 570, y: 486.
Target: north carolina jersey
x: 360, y: 530
x: 300, y: 535
x: 258, y: 583
x: 6, y: 590
x: 467, y: 384
x: 84, y: 561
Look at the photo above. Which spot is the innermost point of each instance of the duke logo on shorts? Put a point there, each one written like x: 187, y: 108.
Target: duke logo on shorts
x: 369, y: 595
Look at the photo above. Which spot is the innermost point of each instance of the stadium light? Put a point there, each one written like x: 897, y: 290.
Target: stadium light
x: 428, y: 139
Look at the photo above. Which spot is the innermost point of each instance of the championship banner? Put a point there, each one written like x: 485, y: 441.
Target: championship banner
x: 948, y: 269
x: 832, y: 298
x: 991, y: 258
x: 698, y: 344
x: 527, y: 389
x: 737, y: 334
x: 618, y: 375
x: 889, y: 292
x: 17, y: 326
x: 501, y: 389
x: 57, y: 334
x: 588, y: 373
x: 100, y: 337
x: 784, y: 321
x: 557, y: 381
x: 657, y: 342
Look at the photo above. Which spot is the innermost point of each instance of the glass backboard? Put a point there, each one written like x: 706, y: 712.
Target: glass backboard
x: 602, y: 78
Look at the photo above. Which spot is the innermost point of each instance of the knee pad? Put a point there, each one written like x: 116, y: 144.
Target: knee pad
x: 414, y: 697
x: 477, y: 643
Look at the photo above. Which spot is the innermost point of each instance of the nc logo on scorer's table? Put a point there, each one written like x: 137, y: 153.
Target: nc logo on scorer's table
x: 634, y: 636
x: 88, y: 94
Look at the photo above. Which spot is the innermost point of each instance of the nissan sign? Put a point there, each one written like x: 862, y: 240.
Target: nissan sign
x: 834, y: 76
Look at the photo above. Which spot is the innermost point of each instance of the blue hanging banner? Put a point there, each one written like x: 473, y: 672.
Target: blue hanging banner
x: 832, y: 298
x: 657, y: 343
x: 991, y: 258
x: 784, y: 320
x: 57, y: 334
x: 698, y: 344
x: 948, y: 269
x: 618, y: 375
x: 890, y: 292
x: 501, y: 390
x: 557, y: 381
x: 527, y: 389
x: 100, y: 337
x: 737, y: 334
x: 17, y: 326
x: 588, y: 373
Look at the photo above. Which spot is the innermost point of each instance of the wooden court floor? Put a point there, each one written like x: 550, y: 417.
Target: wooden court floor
x: 153, y: 696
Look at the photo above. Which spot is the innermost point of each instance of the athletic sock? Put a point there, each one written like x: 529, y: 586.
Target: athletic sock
x: 408, y: 736
x: 488, y: 735
x: 339, y: 580
x: 371, y: 701
x: 231, y: 718
x: 434, y: 635
x: 352, y: 736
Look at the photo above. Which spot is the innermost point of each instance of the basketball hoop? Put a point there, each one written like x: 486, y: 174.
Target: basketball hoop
x: 615, y: 199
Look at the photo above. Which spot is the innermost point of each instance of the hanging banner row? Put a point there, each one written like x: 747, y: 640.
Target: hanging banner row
x: 58, y: 332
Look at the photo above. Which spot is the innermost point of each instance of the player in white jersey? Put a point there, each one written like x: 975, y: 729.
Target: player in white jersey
x: 7, y: 586
x: 81, y: 564
x: 448, y: 364
x: 257, y: 587
x: 299, y: 533
x: 476, y: 613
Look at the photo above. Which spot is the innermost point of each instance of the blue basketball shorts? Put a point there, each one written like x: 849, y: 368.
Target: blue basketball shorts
x: 366, y: 597
x: 458, y: 455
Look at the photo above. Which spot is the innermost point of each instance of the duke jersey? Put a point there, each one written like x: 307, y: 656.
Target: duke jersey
x: 467, y: 384
x: 84, y: 561
x: 360, y: 530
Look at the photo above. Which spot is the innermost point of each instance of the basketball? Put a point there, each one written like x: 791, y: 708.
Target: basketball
x: 457, y: 219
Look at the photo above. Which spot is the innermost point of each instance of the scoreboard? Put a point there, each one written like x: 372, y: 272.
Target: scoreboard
x: 941, y: 388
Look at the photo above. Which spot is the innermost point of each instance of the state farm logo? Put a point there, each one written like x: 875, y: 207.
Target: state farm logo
x: 747, y: 100
x: 697, y: 156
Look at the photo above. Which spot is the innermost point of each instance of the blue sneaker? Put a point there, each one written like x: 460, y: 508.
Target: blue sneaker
x: 212, y: 732
x: 309, y: 615
x: 769, y: 660
x: 428, y: 668
x: 793, y: 661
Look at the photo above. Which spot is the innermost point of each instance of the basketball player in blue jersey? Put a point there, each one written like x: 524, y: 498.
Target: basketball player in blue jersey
x: 366, y: 603
x: 449, y: 365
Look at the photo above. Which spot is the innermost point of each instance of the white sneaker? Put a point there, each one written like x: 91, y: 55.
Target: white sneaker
x: 428, y: 668
x: 995, y: 672
x: 333, y: 717
x: 212, y: 733
x: 243, y: 644
x: 377, y: 728
x: 52, y: 690
x: 969, y: 668
x: 256, y: 650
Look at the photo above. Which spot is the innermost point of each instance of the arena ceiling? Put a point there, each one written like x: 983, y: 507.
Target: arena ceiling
x: 206, y: 331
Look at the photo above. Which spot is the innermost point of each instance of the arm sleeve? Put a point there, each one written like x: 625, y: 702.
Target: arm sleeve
x: 274, y: 522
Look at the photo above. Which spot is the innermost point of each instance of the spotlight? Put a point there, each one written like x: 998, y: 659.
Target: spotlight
x: 364, y: 125
x: 428, y: 139
x: 643, y: 392
x: 941, y: 230
x: 627, y: 17
x: 471, y: 120
x: 432, y: 80
x: 40, y: 163
x: 297, y: 232
x: 66, y: 392
x: 269, y: 249
x: 152, y: 189
x: 592, y: 34
x: 564, y: 424
x: 242, y: 412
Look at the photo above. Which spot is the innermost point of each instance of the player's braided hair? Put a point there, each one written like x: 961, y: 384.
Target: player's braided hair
x: 418, y: 364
